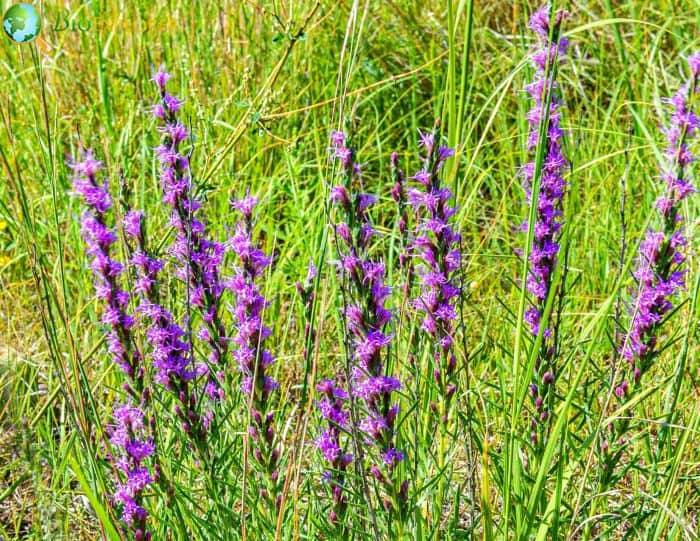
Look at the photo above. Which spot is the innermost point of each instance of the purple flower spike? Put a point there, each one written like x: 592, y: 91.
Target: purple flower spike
x: 198, y: 258
x: 544, y: 119
x: 99, y: 238
x: 249, y: 351
x: 132, y: 446
x: 659, y: 273
x: 366, y: 321
x: 437, y: 259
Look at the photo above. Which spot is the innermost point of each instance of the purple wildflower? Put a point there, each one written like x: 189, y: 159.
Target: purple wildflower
x: 435, y: 248
x: 129, y: 437
x: 99, y: 238
x: 366, y: 315
x: 659, y: 273
x: 332, y: 443
x: 548, y: 191
x: 252, y: 357
x: 198, y: 258
x: 133, y: 448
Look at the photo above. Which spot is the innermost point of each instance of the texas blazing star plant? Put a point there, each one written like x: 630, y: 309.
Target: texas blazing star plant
x: 167, y: 356
x: 364, y: 292
x: 545, y: 187
x: 252, y: 357
x: 434, y: 248
x: 197, y: 257
x: 130, y: 435
x: 661, y: 263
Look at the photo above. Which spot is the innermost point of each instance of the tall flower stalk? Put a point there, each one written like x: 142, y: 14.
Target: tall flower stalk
x: 99, y: 239
x: 169, y: 346
x: 437, y: 260
x: 198, y: 257
x: 253, y: 359
x: 367, y: 321
x: 545, y: 187
x: 660, y: 271
x: 132, y: 443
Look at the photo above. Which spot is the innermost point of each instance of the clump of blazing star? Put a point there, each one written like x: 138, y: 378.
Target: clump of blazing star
x: 198, y: 258
x: 437, y: 260
x: 132, y: 445
x: 250, y: 353
x: 660, y: 271
x: 544, y: 182
x: 366, y: 322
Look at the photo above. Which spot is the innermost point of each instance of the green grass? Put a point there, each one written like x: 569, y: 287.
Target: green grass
x: 265, y: 82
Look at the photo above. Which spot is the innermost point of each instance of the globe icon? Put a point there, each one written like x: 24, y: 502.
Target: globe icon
x: 21, y: 23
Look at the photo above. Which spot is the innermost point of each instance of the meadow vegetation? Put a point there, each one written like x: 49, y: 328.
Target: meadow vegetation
x: 352, y: 352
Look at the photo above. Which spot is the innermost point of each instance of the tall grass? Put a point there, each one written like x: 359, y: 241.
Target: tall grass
x: 265, y: 84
